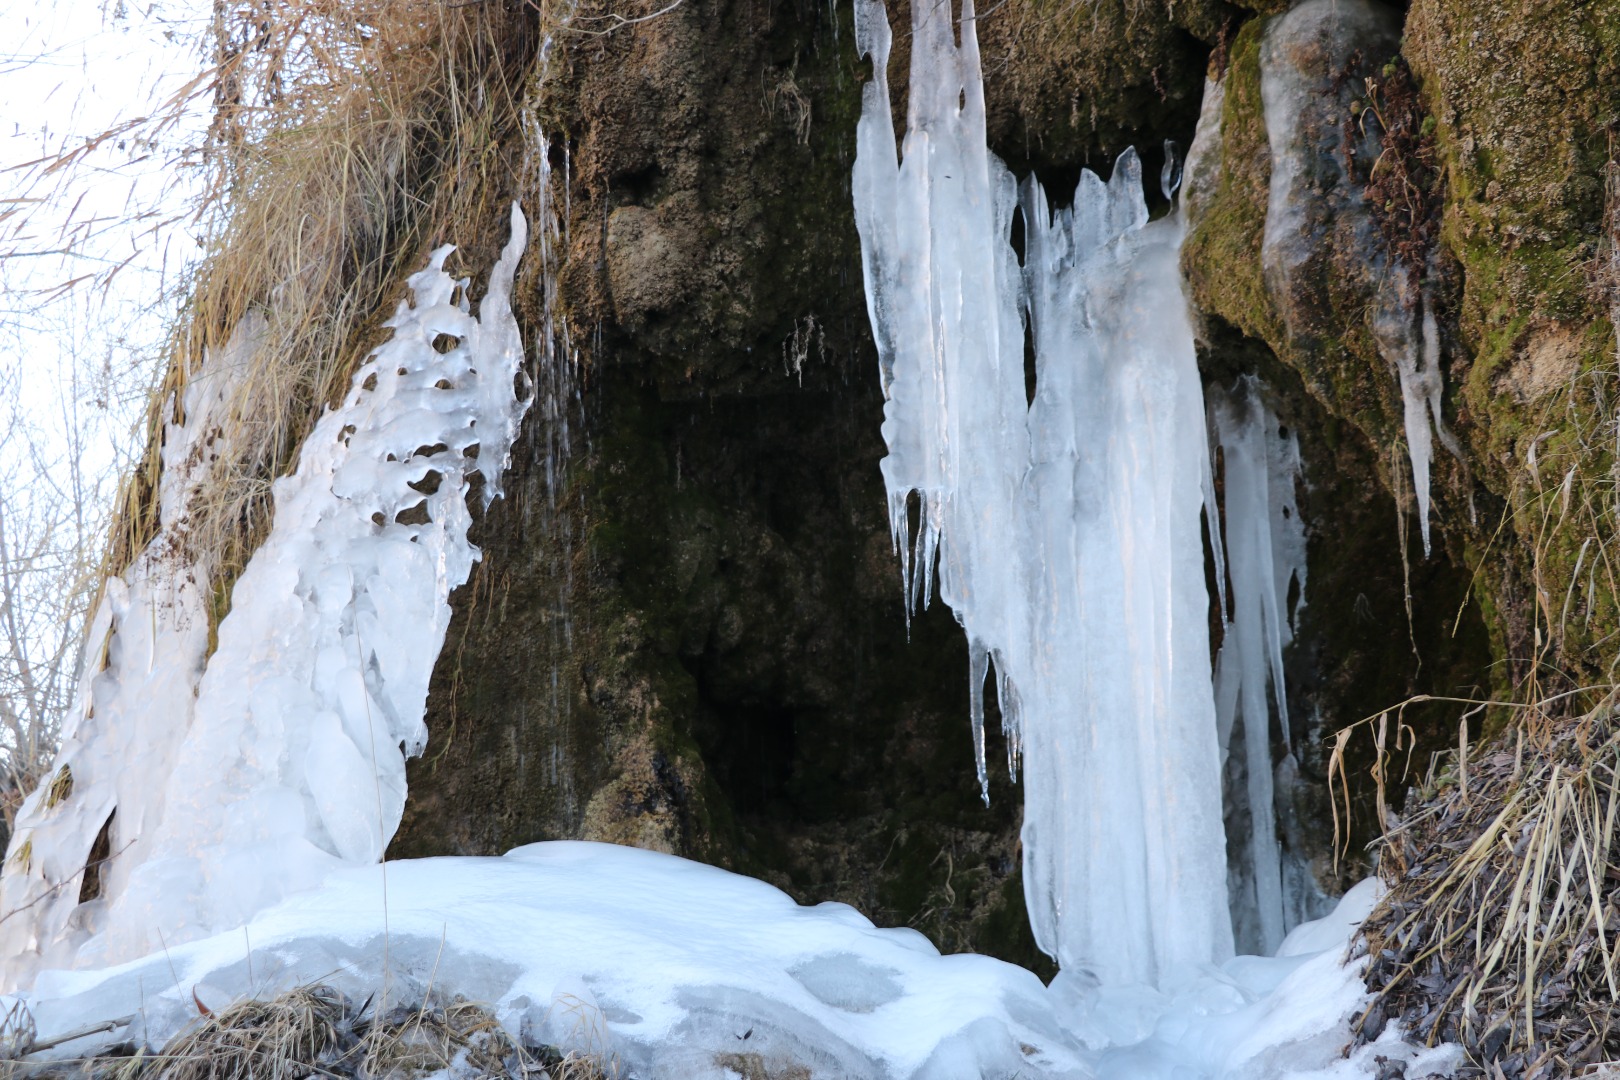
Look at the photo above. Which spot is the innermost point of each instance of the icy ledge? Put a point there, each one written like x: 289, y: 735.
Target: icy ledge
x: 681, y: 970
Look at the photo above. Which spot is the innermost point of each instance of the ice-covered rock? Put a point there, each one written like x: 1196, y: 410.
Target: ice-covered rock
x: 1201, y: 172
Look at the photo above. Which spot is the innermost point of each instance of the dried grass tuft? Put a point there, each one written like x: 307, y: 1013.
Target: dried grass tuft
x: 1501, y: 929
x: 316, y: 1031
x: 284, y: 1039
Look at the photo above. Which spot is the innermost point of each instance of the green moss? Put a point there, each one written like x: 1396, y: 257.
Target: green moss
x: 1221, y: 256
x: 1519, y: 126
x: 1331, y: 346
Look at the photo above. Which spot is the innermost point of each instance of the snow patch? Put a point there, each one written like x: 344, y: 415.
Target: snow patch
x: 676, y: 969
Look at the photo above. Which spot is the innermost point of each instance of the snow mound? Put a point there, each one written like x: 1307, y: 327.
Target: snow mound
x: 684, y: 971
x: 674, y: 967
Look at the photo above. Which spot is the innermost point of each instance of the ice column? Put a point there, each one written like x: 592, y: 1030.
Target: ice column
x: 1265, y: 559
x: 293, y: 761
x: 1067, y: 532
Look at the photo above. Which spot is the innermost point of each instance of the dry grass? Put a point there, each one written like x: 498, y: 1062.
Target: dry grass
x: 316, y: 1031
x: 1501, y: 930
x: 347, y: 138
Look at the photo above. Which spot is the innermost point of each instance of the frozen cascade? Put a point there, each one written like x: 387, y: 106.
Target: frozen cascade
x: 146, y: 645
x: 293, y: 761
x: 1305, y: 138
x: 1067, y: 531
x: 1265, y: 558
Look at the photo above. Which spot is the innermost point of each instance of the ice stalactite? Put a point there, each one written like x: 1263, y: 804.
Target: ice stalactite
x: 1408, y: 336
x: 293, y: 761
x: 1067, y: 531
x: 1264, y: 548
x: 1310, y: 195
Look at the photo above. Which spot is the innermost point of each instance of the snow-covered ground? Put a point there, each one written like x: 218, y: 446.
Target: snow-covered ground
x: 674, y: 968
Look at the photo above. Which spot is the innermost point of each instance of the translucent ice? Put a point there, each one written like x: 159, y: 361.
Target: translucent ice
x: 1066, y: 531
x: 1265, y: 559
x: 291, y: 760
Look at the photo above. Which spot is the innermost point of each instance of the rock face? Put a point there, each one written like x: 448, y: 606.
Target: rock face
x: 695, y: 641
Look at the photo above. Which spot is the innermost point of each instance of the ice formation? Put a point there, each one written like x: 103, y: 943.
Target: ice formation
x: 1301, y: 53
x: 1407, y: 335
x: 290, y: 761
x: 1264, y: 549
x: 146, y: 645
x: 1067, y: 530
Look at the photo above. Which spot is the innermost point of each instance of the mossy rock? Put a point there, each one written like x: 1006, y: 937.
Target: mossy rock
x: 1525, y: 95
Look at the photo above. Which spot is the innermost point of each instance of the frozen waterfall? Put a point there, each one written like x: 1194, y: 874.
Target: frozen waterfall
x: 1067, y: 531
x: 224, y: 782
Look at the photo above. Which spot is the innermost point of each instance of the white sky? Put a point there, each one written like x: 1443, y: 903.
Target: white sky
x: 75, y: 363
x: 72, y: 363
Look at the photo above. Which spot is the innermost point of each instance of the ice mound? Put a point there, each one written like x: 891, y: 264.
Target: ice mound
x: 1282, y: 1017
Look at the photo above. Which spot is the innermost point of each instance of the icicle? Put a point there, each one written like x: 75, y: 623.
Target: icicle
x: 1265, y: 549
x: 978, y: 670
x: 1067, y: 532
x: 1406, y: 332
